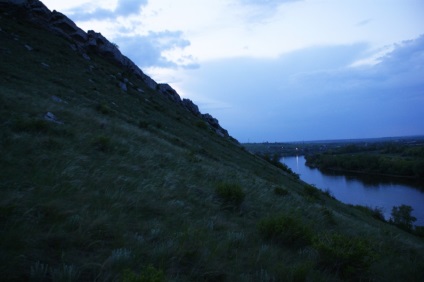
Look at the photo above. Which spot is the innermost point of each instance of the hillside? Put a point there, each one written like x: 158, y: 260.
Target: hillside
x: 108, y: 176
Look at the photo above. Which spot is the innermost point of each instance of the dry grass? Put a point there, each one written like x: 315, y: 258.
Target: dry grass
x: 126, y: 186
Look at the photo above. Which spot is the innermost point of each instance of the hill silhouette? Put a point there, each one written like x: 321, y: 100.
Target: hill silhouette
x: 108, y: 176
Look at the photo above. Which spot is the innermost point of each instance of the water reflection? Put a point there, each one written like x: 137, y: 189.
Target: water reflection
x: 372, y: 191
x: 372, y: 181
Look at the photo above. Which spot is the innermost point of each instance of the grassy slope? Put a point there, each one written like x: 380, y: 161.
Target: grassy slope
x: 129, y: 180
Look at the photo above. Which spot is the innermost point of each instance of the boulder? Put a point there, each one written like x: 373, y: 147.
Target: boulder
x: 213, y: 122
x: 169, y: 92
x: 191, y: 107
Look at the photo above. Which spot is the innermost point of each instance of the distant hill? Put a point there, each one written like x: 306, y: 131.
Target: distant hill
x: 108, y: 176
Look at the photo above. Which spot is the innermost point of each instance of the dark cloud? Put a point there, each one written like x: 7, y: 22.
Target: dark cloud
x: 147, y: 50
x: 124, y: 8
x: 314, y: 94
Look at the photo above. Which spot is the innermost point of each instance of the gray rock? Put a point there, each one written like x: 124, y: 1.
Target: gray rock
x: 123, y: 86
x: 191, y: 107
x: 85, y: 56
x: 169, y: 92
x: 49, y: 116
x: 213, y: 122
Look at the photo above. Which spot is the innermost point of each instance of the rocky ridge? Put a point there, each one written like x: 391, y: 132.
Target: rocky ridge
x: 86, y: 43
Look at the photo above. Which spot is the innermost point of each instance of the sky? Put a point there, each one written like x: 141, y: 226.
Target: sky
x: 277, y: 70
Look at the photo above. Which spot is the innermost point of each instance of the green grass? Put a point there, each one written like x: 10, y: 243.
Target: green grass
x: 129, y: 187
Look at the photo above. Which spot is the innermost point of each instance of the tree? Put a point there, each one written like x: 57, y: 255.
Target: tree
x: 401, y: 217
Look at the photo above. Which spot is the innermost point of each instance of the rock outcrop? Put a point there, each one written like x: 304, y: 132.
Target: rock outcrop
x: 92, y: 42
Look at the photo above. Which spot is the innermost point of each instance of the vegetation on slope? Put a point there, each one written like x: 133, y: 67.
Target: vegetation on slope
x: 125, y: 186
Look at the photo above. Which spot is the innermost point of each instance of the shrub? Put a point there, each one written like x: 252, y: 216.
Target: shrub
x: 230, y: 193
x: 143, y: 124
x: 65, y: 273
x: 349, y: 257
x: 419, y: 231
x: 285, y: 229
x: 280, y: 191
x: 312, y: 192
x: 375, y: 212
x: 328, y: 193
x: 102, y: 143
x: 103, y: 109
x: 328, y: 215
x: 201, y: 124
x: 39, y: 271
x: 36, y: 125
x: 401, y: 217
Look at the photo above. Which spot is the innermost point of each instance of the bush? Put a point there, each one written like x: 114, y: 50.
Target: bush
x: 35, y: 126
x: 232, y: 194
x: 349, y: 257
x: 419, y: 231
x: 201, y: 124
x: 312, y: 192
x: 280, y: 191
x: 375, y: 212
x: 143, y: 124
x: 401, y: 217
x: 102, y: 143
x: 103, y: 109
x: 285, y: 229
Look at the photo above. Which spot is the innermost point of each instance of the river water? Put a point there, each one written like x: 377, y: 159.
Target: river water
x: 359, y: 190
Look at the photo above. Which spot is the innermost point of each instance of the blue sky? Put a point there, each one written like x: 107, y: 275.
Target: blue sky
x: 278, y: 70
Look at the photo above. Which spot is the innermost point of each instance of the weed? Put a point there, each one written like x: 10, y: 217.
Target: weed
x: 39, y: 271
x: 148, y: 274
x: 120, y: 255
x: 65, y: 273
x: 236, y: 238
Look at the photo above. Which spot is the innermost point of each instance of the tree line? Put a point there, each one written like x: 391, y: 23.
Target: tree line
x: 388, y: 159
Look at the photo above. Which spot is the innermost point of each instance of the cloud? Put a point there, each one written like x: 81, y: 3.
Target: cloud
x: 364, y: 22
x: 271, y: 3
x: 148, y: 50
x: 314, y: 93
x: 124, y: 8
x: 259, y: 11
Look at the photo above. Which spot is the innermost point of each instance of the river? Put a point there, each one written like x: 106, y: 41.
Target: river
x: 359, y: 190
